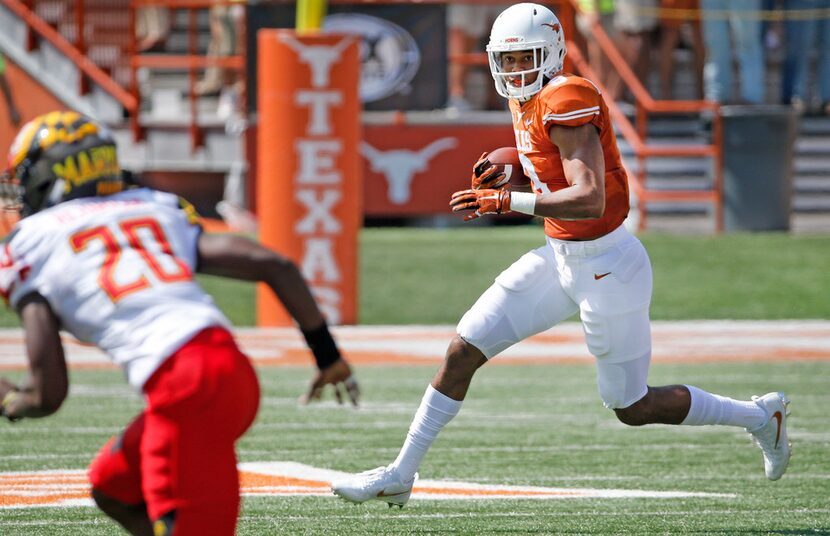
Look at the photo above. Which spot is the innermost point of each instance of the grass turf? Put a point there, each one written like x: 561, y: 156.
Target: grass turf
x: 431, y: 276
x: 555, y: 433
x: 439, y: 273
x: 522, y: 425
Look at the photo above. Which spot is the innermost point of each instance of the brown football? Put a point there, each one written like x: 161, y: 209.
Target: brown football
x: 507, y: 159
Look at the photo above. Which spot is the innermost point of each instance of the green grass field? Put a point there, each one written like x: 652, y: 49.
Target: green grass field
x: 539, y: 425
x: 431, y: 276
x: 556, y: 433
x: 440, y: 273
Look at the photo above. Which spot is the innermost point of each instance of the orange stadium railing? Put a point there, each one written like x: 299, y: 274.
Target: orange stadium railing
x: 75, y: 52
x: 636, y: 135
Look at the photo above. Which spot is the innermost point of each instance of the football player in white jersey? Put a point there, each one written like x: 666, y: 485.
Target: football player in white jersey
x: 114, y: 267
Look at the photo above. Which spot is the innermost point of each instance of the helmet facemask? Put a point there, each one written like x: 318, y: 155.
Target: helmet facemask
x: 26, y: 192
x: 11, y: 193
x: 505, y: 80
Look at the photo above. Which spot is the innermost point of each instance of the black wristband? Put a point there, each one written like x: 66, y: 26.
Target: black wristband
x: 322, y: 346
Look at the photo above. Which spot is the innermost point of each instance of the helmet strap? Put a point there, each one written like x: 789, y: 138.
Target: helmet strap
x: 55, y: 193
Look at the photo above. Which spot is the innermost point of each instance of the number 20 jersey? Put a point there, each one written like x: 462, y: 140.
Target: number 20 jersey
x: 118, y: 273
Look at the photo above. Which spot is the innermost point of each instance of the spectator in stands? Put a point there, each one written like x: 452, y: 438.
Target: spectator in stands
x: 636, y: 21
x: 680, y: 15
x: 467, y: 25
x: 807, y: 39
x: 223, y: 41
x: 590, y: 13
x: 152, y: 27
x: 738, y: 32
x: 14, y: 113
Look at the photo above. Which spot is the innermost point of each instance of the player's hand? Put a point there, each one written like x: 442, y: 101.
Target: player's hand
x: 481, y: 202
x: 339, y: 375
x: 486, y: 175
x: 7, y: 387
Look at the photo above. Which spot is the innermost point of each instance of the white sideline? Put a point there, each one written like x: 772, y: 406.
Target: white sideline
x: 681, y: 341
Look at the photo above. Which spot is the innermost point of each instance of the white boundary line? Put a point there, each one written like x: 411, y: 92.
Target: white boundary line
x: 269, y: 479
x: 672, y: 341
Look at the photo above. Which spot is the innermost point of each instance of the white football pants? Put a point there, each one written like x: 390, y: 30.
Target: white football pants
x: 608, y: 280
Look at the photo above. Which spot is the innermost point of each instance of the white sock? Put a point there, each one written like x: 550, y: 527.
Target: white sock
x: 435, y: 412
x: 708, y: 408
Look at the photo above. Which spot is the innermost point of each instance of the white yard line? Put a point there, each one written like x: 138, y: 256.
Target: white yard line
x: 673, y: 341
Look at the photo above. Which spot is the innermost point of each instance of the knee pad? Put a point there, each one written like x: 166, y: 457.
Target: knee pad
x: 622, y: 384
x: 486, y: 326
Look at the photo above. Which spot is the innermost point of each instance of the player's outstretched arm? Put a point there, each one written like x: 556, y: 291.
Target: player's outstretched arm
x: 238, y: 257
x: 47, y: 386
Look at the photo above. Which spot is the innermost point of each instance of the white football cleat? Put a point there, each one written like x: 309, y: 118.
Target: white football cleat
x: 381, y: 484
x: 772, y: 435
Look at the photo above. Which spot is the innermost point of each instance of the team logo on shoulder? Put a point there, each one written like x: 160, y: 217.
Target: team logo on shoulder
x: 389, y: 55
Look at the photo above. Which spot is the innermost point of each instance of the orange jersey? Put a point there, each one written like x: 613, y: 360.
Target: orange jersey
x: 572, y: 101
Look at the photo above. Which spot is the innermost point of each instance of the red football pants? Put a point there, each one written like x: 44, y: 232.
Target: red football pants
x: 178, y: 454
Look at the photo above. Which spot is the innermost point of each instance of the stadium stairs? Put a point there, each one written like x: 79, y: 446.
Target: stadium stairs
x: 811, y: 173
x: 202, y: 172
x: 165, y: 155
x: 811, y: 166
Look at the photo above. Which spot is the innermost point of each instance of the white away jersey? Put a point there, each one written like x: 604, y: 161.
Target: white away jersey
x: 117, y: 271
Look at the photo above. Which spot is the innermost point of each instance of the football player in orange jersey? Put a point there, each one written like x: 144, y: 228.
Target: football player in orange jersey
x: 590, y: 264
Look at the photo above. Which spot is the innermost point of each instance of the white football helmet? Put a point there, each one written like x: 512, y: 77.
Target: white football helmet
x: 526, y: 27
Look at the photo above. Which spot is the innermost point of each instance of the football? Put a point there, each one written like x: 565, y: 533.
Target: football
x: 507, y: 159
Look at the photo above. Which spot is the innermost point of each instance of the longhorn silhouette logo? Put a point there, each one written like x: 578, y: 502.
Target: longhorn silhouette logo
x: 319, y: 58
x: 399, y: 166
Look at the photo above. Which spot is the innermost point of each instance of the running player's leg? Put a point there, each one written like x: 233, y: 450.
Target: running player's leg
x: 614, y: 312
x: 116, y: 480
x: 200, y: 402
x: 525, y: 299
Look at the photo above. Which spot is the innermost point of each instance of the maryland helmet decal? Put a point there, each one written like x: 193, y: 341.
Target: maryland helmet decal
x: 58, y: 157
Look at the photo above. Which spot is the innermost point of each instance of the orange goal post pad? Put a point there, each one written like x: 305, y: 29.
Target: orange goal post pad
x: 308, y: 165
